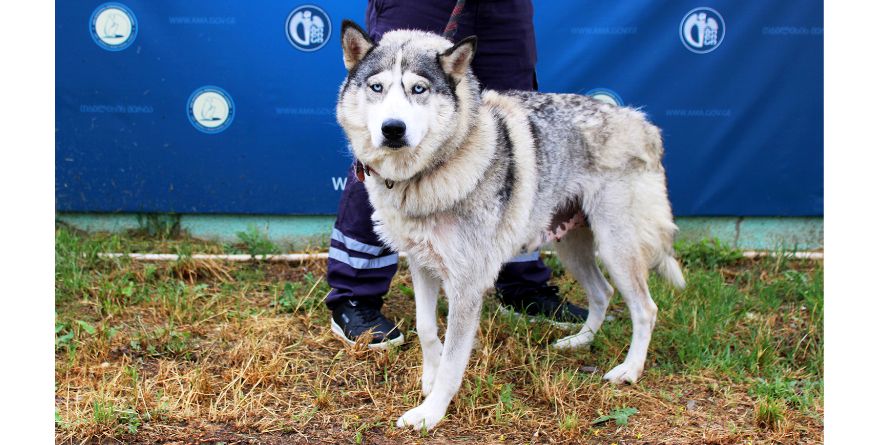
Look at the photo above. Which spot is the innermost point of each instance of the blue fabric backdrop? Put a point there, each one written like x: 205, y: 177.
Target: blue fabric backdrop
x: 228, y: 106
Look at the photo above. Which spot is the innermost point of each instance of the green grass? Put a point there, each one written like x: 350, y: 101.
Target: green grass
x: 770, y: 413
x: 256, y: 243
x: 731, y: 321
x: 145, y: 352
x: 697, y: 328
x: 706, y: 254
x: 159, y: 225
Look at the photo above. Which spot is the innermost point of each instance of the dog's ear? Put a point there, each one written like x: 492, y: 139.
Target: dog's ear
x: 355, y: 43
x: 457, y: 59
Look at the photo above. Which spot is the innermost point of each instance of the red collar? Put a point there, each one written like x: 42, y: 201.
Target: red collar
x: 361, y: 171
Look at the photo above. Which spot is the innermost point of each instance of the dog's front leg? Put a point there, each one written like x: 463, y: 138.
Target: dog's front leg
x: 427, y: 287
x: 462, y: 323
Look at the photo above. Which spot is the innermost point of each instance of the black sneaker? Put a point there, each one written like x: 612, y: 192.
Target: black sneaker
x: 541, y: 303
x: 353, y: 318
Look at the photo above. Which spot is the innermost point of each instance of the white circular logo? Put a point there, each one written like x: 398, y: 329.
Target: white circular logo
x: 113, y: 26
x: 308, y: 28
x: 210, y: 109
x: 606, y: 95
x: 702, y: 30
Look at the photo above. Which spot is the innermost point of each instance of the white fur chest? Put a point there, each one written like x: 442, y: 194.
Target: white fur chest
x: 429, y: 240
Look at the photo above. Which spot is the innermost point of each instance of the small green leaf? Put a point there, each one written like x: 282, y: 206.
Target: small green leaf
x: 406, y: 290
x: 86, y: 327
x: 620, y: 416
x: 64, y: 339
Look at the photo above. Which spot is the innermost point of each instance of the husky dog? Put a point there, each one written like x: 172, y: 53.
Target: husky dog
x: 462, y: 180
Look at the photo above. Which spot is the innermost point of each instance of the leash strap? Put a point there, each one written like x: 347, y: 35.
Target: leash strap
x: 452, y: 26
x: 361, y: 171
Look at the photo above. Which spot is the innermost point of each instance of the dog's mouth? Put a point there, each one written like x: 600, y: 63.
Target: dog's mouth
x: 394, y: 144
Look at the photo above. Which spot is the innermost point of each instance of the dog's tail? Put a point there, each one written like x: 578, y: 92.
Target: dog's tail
x: 669, y: 269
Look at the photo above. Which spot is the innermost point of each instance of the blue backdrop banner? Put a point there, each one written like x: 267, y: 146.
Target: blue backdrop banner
x: 228, y: 106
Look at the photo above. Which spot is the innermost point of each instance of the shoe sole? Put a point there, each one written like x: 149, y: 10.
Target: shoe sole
x: 534, y: 319
x: 392, y: 343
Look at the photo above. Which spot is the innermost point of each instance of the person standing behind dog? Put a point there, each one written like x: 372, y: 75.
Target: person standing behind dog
x: 360, y: 268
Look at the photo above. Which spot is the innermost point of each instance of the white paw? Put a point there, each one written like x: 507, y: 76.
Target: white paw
x: 624, y: 373
x: 575, y: 341
x: 421, y: 417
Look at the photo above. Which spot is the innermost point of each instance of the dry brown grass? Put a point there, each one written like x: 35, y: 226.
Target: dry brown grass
x: 218, y: 358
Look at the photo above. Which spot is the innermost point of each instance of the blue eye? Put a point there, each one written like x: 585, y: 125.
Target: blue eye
x: 376, y: 87
x: 418, y: 89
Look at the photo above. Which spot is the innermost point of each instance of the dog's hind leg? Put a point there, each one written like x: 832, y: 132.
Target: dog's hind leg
x: 576, y: 252
x: 621, y: 252
x: 427, y: 288
x: 461, y: 328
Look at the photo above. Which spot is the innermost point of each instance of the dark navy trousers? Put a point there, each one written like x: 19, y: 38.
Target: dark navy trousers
x: 360, y: 266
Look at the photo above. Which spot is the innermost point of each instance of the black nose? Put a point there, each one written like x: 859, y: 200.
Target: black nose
x: 393, y: 129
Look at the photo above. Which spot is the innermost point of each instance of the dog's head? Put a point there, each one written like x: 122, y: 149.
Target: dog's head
x: 406, y: 99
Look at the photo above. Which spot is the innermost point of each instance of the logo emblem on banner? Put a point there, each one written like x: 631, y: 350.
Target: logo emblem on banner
x: 606, y: 95
x: 702, y: 30
x: 308, y: 28
x: 210, y: 109
x: 113, y: 26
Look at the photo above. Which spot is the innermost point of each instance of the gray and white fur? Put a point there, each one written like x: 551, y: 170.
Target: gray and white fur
x: 477, y: 178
